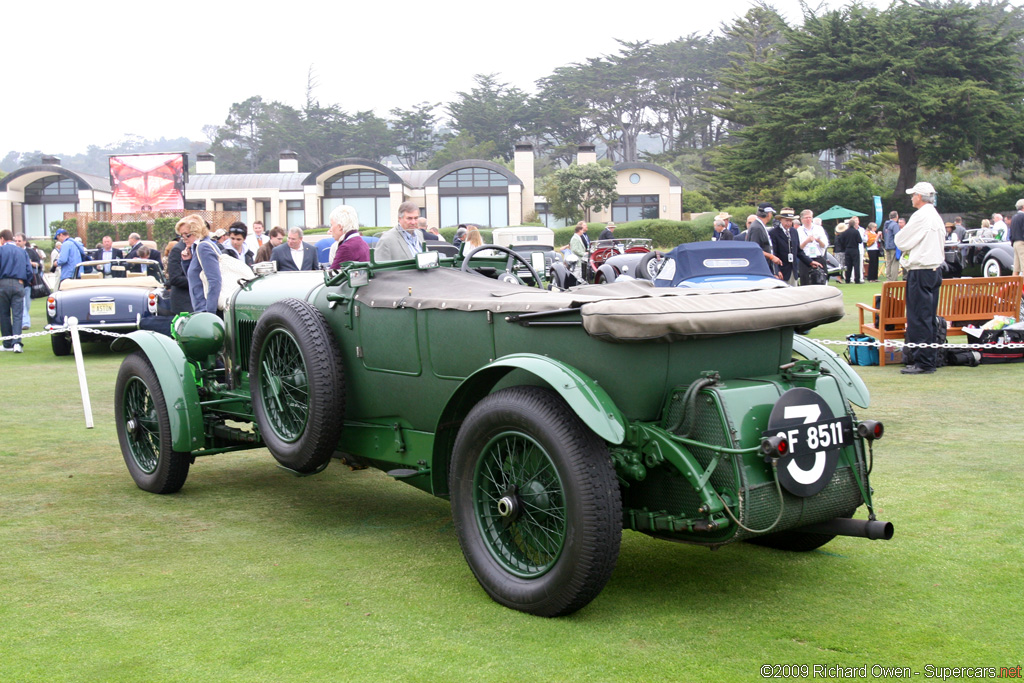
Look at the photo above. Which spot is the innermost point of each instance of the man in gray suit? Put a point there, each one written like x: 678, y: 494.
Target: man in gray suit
x: 294, y: 254
x: 403, y: 241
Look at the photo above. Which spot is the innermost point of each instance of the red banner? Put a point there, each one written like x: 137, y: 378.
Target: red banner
x: 148, y: 182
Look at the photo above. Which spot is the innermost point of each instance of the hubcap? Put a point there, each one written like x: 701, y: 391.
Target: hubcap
x: 519, y: 502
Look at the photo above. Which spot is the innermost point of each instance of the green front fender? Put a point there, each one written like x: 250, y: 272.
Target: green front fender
x: 583, y: 395
x: 178, y: 384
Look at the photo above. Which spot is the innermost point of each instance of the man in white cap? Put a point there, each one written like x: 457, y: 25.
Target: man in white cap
x: 922, y: 242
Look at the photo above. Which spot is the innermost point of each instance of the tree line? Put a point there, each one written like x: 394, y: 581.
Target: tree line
x: 755, y: 110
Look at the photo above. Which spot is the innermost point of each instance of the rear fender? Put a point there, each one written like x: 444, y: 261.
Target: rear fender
x: 853, y: 385
x: 583, y: 395
x: 177, y: 381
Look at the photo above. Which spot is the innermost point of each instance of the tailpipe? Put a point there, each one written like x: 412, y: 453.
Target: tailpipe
x: 843, y: 526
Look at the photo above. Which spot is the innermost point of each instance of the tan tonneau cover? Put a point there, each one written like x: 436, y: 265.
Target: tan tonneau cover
x: 144, y: 282
x: 622, y: 311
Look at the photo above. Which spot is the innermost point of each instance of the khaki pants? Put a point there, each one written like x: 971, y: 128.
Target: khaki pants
x: 892, y: 266
x: 1018, y: 256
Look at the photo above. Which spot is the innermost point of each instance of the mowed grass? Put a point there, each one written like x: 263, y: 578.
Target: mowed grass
x: 251, y: 574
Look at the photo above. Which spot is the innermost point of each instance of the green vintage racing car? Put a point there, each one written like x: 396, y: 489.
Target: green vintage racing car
x: 551, y: 420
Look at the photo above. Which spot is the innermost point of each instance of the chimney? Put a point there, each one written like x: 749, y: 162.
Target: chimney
x: 288, y: 163
x: 522, y: 166
x: 586, y: 154
x: 205, y: 164
x: 50, y: 160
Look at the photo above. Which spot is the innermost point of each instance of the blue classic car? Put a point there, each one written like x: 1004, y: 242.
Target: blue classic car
x: 114, y: 295
x: 714, y: 265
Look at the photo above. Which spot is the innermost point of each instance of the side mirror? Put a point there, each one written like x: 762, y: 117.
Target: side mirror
x: 427, y: 259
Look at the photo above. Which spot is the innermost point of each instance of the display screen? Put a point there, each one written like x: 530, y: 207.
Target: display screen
x: 148, y: 182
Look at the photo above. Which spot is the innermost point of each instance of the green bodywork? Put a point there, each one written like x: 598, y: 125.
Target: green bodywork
x: 688, y: 465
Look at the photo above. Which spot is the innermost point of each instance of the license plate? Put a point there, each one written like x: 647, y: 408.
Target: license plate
x: 101, y: 308
x: 826, y: 435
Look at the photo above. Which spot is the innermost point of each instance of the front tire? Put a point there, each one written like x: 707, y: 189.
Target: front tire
x: 535, y: 502
x: 144, y: 429
x: 297, y: 385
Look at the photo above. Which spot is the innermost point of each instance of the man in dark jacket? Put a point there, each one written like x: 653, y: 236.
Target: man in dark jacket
x: 848, y: 241
x: 786, y: 241
x: 294, y: 254
x: 15, y: 273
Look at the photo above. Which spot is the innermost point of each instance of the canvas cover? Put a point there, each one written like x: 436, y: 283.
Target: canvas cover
x: 623, y: 311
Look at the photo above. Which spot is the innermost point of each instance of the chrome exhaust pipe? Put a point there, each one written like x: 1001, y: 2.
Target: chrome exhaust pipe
x: 842, y: 526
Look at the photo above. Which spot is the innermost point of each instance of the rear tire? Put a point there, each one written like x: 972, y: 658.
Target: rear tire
x: 144, y: 429
x: 60, y: 344
x: 297, y: 385
x: 535, y: 502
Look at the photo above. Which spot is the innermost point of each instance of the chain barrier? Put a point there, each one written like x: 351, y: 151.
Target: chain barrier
x: 61, y: 330
x: 918, y: 345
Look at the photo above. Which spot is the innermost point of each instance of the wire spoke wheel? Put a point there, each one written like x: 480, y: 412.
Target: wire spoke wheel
x: 297, y: 383
x: 520, y: 504
x: 535, y: 502
x: 285, y: 386
x: 143, y: 427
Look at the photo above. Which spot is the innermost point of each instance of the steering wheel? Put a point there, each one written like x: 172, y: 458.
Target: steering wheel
x: 512, y: 258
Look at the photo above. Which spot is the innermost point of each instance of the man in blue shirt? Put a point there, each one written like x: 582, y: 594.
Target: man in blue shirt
x: 71, y: 253
x: 15, y: 273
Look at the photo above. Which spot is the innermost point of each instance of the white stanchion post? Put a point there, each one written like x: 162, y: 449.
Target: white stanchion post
x: 76, y: 343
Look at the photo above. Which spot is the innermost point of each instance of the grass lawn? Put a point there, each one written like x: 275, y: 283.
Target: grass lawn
x: 250, y: 574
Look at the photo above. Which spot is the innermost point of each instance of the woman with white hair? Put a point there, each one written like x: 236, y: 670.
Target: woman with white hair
x: 348, y: 245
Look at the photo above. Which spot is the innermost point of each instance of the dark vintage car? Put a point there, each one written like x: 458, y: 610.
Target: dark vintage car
x: 114, y: 295
x: 978, y: 257
x: 511, y: 402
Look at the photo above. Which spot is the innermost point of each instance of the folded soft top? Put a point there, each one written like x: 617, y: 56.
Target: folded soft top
x: 624, y: 311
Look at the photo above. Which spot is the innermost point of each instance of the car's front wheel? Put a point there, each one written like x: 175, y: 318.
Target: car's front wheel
x: 535, y: 502
x: 144, y: 429
x: 297, y: 385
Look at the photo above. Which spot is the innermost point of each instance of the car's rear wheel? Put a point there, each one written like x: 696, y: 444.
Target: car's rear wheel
x: 144, y: 429
x: 535, y: 502
x: 60, y: 344
x: 297, y: 385
x: 991, y: 268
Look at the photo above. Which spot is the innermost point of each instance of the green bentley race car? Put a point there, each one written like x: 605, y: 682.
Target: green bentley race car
x: 552, y: 420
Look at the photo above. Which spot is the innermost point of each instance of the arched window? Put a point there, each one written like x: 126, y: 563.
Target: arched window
x: 364, y: 190
x: 474, y: 195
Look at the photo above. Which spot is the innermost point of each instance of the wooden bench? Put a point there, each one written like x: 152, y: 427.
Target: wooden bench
x: 962, y: 301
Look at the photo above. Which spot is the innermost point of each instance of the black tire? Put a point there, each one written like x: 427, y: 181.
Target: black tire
x: 144, y: 428
x: 297, y: 385
x: 991, y: 267
x: 60, y: 344
x: 795, y: 541
x: 553, y: 546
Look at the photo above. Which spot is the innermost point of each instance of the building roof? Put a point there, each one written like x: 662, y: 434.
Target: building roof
x: 289, y: 182
x: 85, y: 181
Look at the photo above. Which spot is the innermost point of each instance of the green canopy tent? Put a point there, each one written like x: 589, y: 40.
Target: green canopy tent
x: 838, y: 213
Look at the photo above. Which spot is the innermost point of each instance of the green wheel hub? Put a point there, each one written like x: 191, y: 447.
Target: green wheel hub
x: 284, y: 385
x: 519, y: 502
x: 141, y: 425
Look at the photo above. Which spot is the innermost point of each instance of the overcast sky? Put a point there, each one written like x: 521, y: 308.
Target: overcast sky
x: 82, y: 73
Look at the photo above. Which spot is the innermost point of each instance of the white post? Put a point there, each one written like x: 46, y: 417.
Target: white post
x: 77, y: 345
